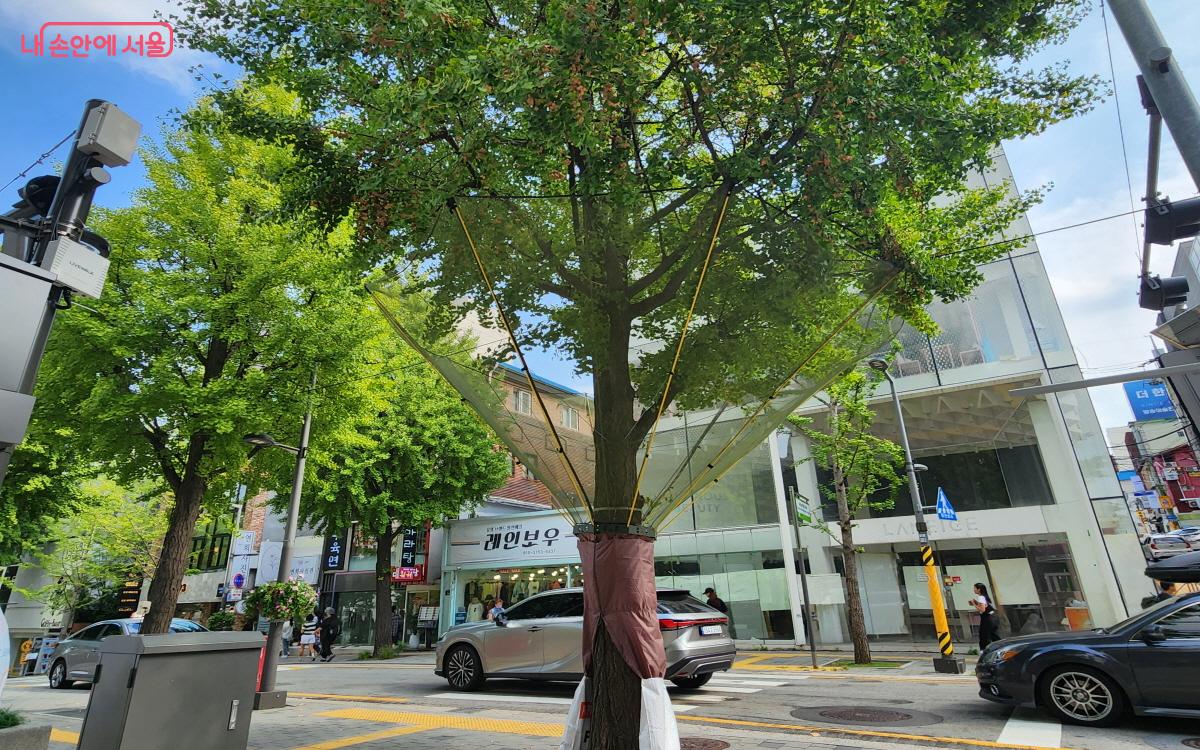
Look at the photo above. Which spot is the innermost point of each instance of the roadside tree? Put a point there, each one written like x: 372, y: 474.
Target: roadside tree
x: 220, y: 301
x: 864, y: 472
x: 596, y: 147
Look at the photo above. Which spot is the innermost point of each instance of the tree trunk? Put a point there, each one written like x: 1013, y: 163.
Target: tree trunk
x: 172, y: 561
x: 854, y: 606
x: 616, y: 687
x: 383, y: 589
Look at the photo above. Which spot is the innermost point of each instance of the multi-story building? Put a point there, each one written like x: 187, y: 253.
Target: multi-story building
x: 1042, y: 518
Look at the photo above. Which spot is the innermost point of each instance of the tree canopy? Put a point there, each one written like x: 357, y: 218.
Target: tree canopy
x: 219, y: 303
x: 43, y: 484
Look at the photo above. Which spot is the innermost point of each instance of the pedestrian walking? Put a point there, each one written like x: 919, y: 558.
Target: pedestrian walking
x: 330, y: 630
x: 715, y: 601
x: 989, y: 623
x: 286, y: 632
x: 397, y: 625
x: 308, y: 636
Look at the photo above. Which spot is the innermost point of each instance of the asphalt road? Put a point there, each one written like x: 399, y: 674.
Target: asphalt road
x: 763, y: 702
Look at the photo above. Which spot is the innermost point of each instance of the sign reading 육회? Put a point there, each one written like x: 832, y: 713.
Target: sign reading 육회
x: 511, y: 540
x: 1149, y: 399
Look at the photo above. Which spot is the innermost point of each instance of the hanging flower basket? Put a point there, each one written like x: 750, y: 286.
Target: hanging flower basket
x: 281, y: 600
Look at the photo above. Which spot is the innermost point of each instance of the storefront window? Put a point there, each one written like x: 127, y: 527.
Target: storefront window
x: 481, y: 588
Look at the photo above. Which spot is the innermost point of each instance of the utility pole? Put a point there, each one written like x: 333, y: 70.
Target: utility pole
x: 48, y: 254
x: 947, y: 662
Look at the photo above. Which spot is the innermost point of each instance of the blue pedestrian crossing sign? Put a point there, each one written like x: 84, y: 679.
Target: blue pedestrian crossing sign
x: 945, y: 510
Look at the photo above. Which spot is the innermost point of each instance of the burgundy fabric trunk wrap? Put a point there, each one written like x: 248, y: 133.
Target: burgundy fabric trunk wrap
x: 619, y: 588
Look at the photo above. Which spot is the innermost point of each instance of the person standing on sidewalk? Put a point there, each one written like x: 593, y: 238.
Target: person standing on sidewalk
x: 308, y: 636
x: 288, y: 629
x: 989, y: 623
x: 330, y: 630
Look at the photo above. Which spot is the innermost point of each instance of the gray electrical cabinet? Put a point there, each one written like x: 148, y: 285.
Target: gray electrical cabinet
x: 165, y: 692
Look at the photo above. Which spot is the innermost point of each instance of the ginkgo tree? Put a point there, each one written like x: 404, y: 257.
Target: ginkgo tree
x: 594, y: 148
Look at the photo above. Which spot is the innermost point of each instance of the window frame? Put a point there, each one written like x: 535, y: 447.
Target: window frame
x: 573, y: 422
x: 1192, y: 609
x: 522, y: 398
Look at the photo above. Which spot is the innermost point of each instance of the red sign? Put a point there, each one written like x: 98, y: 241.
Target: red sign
x: 408, y: 575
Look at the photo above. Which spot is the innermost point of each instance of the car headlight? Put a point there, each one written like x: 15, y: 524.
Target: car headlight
x: 1002, y: 654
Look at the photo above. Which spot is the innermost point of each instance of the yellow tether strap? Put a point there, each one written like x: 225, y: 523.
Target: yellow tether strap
x: 692, y: 488
x: 562, y: 453
x: 687, y: 320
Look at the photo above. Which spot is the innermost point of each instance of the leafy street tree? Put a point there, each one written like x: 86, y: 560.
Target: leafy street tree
x: 115, y: 536
x: 422, y: 456
x: 43, y: 485
x: 864, y: 472
x: 219, y: 303
x: 829, y: 126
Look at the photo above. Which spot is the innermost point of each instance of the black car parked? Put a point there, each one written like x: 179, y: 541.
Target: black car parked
x: 1148, y: 664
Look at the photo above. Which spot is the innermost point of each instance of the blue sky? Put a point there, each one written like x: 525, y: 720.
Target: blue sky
x: 1093, y: 269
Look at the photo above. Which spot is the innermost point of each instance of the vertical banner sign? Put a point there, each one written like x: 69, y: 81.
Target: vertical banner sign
x: 333, y: 555
x: 408, y: 549
x: 128, y: 597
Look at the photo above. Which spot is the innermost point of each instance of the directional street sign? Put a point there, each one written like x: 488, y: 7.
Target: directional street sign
x: 945, y: 510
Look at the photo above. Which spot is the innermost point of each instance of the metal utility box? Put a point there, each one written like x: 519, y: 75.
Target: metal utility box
x: 163, y: 692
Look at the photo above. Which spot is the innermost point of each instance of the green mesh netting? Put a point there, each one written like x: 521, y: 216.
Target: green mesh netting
x: 551, y: 429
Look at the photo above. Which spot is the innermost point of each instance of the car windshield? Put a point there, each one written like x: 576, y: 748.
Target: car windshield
x: 681, y: 603
x: 1151, y: 609
x: 177, y: 626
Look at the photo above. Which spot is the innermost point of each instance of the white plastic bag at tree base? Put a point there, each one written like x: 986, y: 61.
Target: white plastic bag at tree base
x: 656, y: 731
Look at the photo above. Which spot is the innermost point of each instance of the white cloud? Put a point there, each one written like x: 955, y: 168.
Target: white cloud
x: 26, y: 16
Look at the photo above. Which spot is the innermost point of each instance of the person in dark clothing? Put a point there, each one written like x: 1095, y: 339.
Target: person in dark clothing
x: 1168, y: 590
x: 715, y: 601
x: 989, y: 622
x: 397, y: 625
x: 330, y: 629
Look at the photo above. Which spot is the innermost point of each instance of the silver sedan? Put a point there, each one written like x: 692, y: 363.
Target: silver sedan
x: 541, y: 639
x: 75, y: 658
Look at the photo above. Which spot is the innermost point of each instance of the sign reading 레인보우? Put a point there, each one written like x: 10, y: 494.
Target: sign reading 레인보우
x: 512, y: 539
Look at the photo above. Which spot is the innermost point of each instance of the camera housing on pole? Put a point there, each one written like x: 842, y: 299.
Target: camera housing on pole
x: 48, y: 254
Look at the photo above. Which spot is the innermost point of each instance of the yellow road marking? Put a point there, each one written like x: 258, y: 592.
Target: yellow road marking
x: 753, y: 663
x: 354, y: 698
x: 361, y: 738
x: 441, y: 721
x: 856, y: 732
x: 62, y: 735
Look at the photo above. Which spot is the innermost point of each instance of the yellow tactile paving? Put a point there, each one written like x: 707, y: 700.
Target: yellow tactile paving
x: 756, y: 663
x: 62, y: 735
x: 361, y: 738
x: 437, y: 721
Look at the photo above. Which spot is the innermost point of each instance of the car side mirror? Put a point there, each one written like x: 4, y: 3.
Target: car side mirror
x: 1153, y: 634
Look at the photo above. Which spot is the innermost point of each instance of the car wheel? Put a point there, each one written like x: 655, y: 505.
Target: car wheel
x: 1081, y: 695
x: 58, y: 676
x: 692, y: 683
x: 464, y: 670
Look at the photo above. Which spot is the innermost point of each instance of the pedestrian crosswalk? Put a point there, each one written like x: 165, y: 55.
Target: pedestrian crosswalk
x: 724, y: 686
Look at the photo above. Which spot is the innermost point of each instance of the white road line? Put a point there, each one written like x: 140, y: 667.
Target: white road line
x: 543, y: 700
x: 752, y: 683
x: 693, y: 698
x: 772, y: 678
x: 711, y: 688
x: 1028, y: 727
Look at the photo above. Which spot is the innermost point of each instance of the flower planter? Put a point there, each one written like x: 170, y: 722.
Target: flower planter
x: 25, y: 737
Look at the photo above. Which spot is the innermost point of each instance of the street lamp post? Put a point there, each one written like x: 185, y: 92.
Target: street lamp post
x: 267, y: 696
x: 947, y: 662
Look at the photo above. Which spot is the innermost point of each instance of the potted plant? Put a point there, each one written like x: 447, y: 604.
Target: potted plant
x: 221, y: 620
x: 17, y: 734
x: 281, y: 600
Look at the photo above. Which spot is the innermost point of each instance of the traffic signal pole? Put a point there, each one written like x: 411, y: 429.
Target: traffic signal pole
x: 48, y: 255
x: 1163, y: 77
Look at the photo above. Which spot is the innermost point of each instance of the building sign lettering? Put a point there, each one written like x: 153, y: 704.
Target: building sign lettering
x: 511, y: 540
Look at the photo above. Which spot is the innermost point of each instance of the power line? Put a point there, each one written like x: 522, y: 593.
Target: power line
x: 39, y: 160
x: 1112, y: 76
